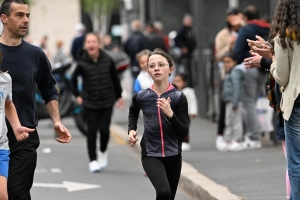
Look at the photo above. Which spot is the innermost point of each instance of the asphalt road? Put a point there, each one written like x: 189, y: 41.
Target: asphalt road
x: 250, y: 174
x: 62, y: 171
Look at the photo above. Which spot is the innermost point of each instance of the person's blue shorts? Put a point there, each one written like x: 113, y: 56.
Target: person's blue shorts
x: 4, y: 162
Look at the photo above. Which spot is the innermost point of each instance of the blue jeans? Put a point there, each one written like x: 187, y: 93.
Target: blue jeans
x: 292, y: 138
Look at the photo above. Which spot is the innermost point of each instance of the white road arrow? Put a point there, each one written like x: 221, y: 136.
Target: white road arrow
x: 70, y: 186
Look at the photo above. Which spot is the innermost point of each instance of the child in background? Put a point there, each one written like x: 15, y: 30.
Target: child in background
x: 21, y: 132
x: 180, y: 81
x: 143, y: 80
x: 232, y: 93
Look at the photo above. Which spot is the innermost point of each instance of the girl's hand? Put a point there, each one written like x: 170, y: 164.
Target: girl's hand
x: 164, y: 105
x: 21, y: 133
x: 132, y: 139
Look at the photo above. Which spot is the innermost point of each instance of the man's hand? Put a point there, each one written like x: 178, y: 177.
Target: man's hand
x: 132, y: 139
x: 252, y: 62
x: 63, y: 134
x: 21, y: 132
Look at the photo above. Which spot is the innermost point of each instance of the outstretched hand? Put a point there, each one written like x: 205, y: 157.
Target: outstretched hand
x: 63, y: 133
x: 21, y: 132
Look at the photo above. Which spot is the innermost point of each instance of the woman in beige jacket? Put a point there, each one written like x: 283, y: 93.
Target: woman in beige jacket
x: 286, y: 71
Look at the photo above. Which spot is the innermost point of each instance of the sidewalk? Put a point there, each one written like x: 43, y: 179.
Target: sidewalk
x: 210, y: 174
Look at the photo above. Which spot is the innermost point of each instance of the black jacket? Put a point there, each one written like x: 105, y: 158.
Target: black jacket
x: 186, y: 37
x: 77, y: 46
x: 162, y: 136
x: 156, y: 41
x: 136, y: 43
x: 100, y: 82
x: 253, y: 28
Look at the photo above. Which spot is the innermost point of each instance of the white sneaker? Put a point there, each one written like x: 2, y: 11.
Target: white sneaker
x: 221, y: 144
x: 251, y: 144
x: 102, y: 159
x: 94, y: 166
x: 235, y: 146
x: 185, y: 146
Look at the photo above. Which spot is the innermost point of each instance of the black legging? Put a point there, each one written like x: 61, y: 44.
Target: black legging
x: 164, y: 174
x: 221, y: 122
x: 97, y: 119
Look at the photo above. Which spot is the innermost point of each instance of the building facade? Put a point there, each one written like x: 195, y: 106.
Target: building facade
x: 55, y: 19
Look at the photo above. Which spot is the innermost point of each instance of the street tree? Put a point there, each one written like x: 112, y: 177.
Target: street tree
x: 99, y: 10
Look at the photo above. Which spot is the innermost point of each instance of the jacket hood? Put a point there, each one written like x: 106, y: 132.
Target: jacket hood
x: 260, y: 23
x: 171, y: 86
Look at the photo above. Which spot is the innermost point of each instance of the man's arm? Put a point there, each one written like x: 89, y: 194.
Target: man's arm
x: 61, y: 130
x: 52, y: 107
x: 46, y: 84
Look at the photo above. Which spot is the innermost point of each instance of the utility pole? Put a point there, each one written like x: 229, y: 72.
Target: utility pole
x: 233, y: 3
x: 142, y: 12
x: 198, y: 17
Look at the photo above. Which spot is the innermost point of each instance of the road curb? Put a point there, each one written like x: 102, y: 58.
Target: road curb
x: 192, y: 181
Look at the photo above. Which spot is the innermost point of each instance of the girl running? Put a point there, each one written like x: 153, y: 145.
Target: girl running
x: 165, y: 111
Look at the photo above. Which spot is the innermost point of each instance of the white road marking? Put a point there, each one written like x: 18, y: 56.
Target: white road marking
x: 46, y: 150
x: 55, y: 170
x: 70, y: 186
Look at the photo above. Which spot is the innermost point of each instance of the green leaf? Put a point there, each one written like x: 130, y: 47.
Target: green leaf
x: 99, y: 7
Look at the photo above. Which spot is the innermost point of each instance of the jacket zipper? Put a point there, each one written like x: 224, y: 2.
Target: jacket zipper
x: 161, y: 133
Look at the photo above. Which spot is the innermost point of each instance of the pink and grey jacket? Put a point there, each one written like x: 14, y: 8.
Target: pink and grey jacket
x: 162, y: 136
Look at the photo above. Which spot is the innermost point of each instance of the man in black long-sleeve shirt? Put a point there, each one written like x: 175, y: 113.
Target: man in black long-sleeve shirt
x: 28, y: 66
